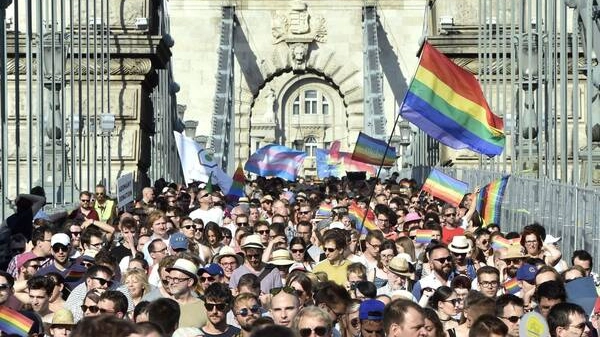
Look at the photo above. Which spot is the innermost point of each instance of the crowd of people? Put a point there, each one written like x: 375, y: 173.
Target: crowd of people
x: 338, y: 257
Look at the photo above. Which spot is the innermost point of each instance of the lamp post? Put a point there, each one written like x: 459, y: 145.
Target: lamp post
x: 107, y: 126
x: 527, y: 56
x: 53, y: 64
x: 405, y: 138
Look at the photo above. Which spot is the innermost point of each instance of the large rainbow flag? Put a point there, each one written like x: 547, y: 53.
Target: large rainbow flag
x: 371, y: 151
x: 444, y: 187
x: 489, y: 200
x: 13, y: 322
x: 276, y: 160
x: 447, y: 103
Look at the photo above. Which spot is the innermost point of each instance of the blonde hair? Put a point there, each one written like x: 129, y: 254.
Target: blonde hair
x: 140, y: 275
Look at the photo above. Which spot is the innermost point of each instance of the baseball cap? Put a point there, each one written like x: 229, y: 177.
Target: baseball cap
x: 211, y: 269
x: 371, y: 310
x: 61, y: 238
x: 526, y: 273
x: 178, y: 241
x: 24, y: 258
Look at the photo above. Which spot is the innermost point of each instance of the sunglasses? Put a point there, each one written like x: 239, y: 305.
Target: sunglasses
x: 252, y: 256
x: 263, y: 232
x: 102, y: 281
x: 204, y: 279
x: 75, y: 233
x: 58, y: 247
x: 454, y: 301
x: 4, y: 286
x: 444, y: 259
x: 354, y: 322
x: 303, y: 212
x: 188, y: 227
x: 242, y: 224
x: 297, y: 250
x: 219, y: 306
x: 255, y: 309
x: 450, y: 214
x: 227, y: 236
x: 329, y: 249
x: 512, y: 319
x: 34, y: 266
x: 319, y: 331
x: 92, y: 308
x: 85, y: 200
x: 287, y: 290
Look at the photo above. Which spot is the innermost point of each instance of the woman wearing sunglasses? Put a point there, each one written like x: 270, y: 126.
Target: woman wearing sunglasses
x: 445, y: 302
x: 350, y: 321
x: 90, y: 303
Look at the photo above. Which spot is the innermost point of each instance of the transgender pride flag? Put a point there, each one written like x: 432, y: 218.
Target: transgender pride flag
x: 275, y: 160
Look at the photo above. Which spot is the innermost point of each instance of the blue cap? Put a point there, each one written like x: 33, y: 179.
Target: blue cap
x: 526, y: 273
x: 211, y: 269
x: 178, y: 241
x: 371, y: 310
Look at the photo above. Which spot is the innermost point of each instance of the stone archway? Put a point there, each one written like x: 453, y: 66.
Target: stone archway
x: 343, y: 75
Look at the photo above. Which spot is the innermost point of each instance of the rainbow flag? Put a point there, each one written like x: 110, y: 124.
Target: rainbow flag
x: 237, y: 186
x: 372, y: 151
x: 13, y: 322
x: 358, y: 214
x: 336, y: 164
x: 446, y: 102
x: 75, y: 274
x: 499, y: 242
x: 444, y: 187
x: 324, y: 210
x: 511, y: 286
x: 489, y: 200
x: 275, y: 160
x: 424, y: 236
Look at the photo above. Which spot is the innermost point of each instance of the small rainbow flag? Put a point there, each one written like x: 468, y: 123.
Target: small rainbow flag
x: 511, y: 286
x: 371, y: 151
x: 13, y: 322
x: 499, y: 242
x: 237, y: 186
x: 489, y: 200
x: 446, y: 102
x: 444, y: 187
x: 424, y: 236
x: 74, y: 275
x: 324, y: 211
x: 358, y: 214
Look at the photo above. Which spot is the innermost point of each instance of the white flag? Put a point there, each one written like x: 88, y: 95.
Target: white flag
x: 197, y: 164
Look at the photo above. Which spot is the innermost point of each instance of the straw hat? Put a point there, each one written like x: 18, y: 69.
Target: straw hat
x: 512, y: 252
x: 185, y: 266
x: 252, y: 241
x: 63, y: 317
x: 227, y: 251
x: 400, y: 266
x: 460, y: 244
x: 281, y: 257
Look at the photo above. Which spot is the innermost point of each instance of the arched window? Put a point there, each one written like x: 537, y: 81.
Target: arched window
x: 310, y: 102
x: 310, y: 146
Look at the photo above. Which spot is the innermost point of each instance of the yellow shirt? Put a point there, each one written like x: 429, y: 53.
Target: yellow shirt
x: 336, y: 274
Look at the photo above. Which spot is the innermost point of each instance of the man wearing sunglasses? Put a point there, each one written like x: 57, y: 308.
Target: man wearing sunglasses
x: 313, y: 322
x: 510, y: 309
x: 72, y: 272
x: 370, y: 314
x: 246, y: 310
x: 442, y: 270
x: 86, y: 210
x: 104, y: 206
x: 253, y: 249
x: 218, y: 301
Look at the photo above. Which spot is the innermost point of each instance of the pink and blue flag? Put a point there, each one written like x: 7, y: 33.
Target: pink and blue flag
x: 276, y: 161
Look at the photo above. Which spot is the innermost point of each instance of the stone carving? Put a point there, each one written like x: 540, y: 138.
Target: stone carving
x: 298, y: 28
x: 269, y: 115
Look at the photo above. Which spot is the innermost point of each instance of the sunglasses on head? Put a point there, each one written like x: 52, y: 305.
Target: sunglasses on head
x: 246, y: 311
x: 287, y: 290
x: 319, y: 331
x: 219, y: 306
x: 92, y: 308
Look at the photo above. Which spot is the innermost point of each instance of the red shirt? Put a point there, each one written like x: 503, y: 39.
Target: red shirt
x: 448, y: 233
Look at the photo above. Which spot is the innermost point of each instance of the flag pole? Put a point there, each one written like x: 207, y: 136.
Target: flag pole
x: 387, y: 147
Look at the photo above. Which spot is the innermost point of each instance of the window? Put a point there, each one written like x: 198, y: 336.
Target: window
x: 310, y: 102
x: 310, y: 146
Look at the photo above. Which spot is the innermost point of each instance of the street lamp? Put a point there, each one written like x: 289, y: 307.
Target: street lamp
x: 107, y: 126
x: 53, y: 64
